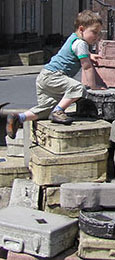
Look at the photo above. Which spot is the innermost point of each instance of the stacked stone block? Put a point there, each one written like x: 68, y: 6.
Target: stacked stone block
x: 76, y: 153
x: 96, y: 220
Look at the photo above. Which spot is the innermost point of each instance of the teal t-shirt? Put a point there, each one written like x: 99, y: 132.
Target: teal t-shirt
x: 68, y: 57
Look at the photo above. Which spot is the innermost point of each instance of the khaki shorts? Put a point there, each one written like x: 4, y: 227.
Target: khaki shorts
x: 51, y: 87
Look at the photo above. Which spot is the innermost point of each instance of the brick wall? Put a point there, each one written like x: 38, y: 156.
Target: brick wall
x: 103, y: 11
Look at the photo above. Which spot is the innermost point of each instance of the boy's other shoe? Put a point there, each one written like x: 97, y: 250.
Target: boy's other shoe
x: 60, y: 117
x: 12, y: 125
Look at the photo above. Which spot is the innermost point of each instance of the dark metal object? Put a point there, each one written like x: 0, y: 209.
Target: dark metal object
x: 4, y: 104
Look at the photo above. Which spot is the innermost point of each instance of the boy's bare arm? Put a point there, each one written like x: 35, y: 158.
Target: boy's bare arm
x: 88, y: 69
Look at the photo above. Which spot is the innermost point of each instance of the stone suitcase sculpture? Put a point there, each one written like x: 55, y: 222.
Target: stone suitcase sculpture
x: 36, y: 232
x: 99, y: 224
x: 81, y: 136
x: 96, y: 248
x: 99, y: 104
x: 52, y: 169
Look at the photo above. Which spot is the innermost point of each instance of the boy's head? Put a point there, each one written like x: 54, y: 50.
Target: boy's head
x: 88, y: 25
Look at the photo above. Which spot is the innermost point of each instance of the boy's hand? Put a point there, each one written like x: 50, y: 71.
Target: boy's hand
x: 94, y: 58
x: 100, y: 88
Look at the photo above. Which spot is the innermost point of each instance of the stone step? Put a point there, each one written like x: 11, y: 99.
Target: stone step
x: 87, y: 195
x: 51, y: 169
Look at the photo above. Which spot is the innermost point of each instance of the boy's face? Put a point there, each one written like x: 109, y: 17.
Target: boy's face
x: 91, y: 33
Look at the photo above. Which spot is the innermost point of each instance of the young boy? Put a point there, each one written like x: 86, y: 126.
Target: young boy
x: 55, y: 86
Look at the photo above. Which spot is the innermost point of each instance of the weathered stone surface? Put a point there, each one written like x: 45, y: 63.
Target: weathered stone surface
x: 87, y: 195
x: 4, y: 196
x: 27, y: 142
x: 53, y: 169
x: 53, y: 195
x: 11, y: 168
x: 107, y: 74
x: 51, y: 203
x: 25, y: 193
x: 112, y: 132
x: 96, y: 248
x: 106, y: 49
x: 15, y: 147
x: 81, y: 136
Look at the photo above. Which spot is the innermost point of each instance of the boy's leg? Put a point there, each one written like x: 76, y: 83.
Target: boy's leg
x: 58, y: 115
x: 15, y: 120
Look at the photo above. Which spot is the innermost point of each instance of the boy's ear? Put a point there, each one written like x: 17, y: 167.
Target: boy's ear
x: 81, y: 28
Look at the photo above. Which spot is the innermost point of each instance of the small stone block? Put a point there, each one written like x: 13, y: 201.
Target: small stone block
x: 24, y: 193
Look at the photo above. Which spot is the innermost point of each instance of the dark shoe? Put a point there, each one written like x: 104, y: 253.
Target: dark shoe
x: 12, y: 125
x: 60, y: 117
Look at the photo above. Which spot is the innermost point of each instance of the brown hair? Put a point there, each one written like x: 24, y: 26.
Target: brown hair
x: 87, y: 18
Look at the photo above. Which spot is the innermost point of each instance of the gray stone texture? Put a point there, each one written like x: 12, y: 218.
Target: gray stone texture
x: 5, y: 193
x: 24, y: 193
x: 87, y: 195
x: 112, y: 132
x: 51, y: 202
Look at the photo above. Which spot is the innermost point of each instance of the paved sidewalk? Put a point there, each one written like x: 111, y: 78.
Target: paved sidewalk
x: 20, y: 70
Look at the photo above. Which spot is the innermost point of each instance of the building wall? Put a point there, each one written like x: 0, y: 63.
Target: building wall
x: 103, y: 11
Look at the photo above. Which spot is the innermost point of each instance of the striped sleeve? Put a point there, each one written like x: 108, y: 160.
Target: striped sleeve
x: 80, y: 48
